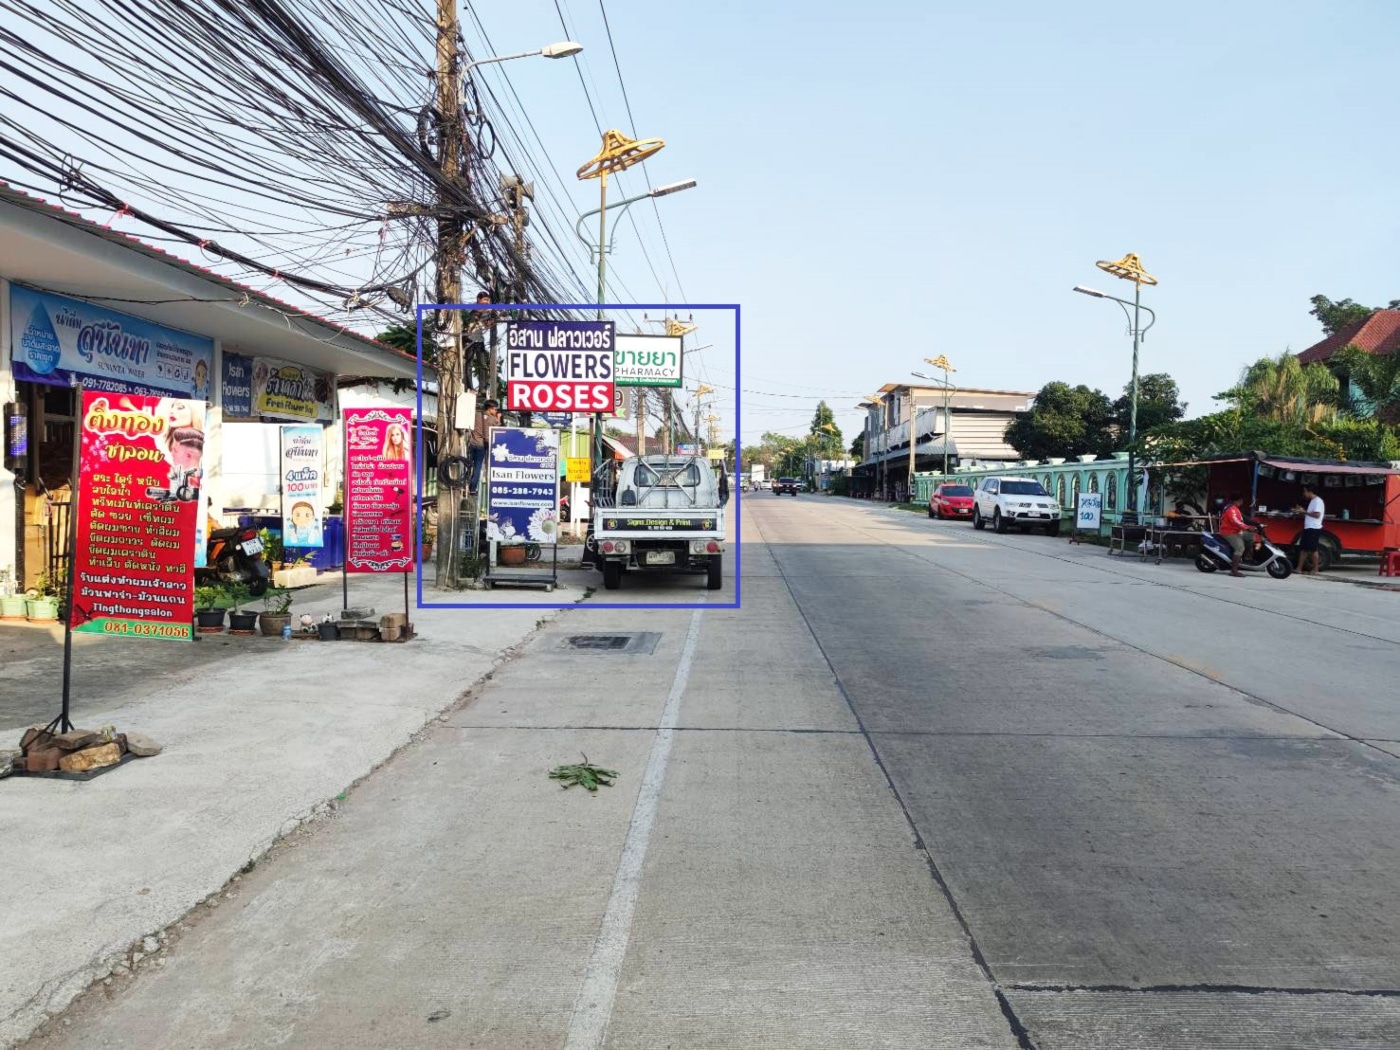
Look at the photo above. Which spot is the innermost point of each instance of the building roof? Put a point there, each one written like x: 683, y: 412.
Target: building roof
x: 57, y: 250
x: 966, y: 398
x: 1377, y: 334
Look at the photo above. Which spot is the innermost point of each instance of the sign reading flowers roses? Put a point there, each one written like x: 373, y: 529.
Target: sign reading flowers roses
x: 522, y: 486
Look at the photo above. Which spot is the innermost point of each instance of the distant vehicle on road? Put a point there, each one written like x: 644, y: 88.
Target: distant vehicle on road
x: 1022, y: 502
x: 950, y: 501
x: 785, y: 485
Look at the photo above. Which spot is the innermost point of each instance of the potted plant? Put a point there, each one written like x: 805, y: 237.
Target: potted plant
x: 277, y: 605
x: 511, y: 554
x: 208, y: 613
x: 13, y: 606
x: 272, y: 547
x: 239, y: 620
x: 42, y: 602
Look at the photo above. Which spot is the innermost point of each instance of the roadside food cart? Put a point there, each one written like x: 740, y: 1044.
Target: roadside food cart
x: 1362, y: 499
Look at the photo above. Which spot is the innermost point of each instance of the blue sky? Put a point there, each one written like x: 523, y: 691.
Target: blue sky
x: 887, y: 182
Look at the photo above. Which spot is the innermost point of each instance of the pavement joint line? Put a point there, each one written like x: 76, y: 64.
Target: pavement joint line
x: 1014, y: 1022
x: 1217, y: 989
x: 677, y: 729
x: 1158, y: 583
x: 588, y: 1025
x: 1249, y: 697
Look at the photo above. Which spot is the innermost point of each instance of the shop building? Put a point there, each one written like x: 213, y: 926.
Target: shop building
x: 81, y: 303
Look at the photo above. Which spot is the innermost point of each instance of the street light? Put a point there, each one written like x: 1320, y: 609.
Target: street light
x: 563, y: 49
x: 617, y: 154
x: 941, y: 361
x: 1129, y: 268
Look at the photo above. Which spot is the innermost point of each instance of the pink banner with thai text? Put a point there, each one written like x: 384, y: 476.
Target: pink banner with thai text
x: 379, y: 490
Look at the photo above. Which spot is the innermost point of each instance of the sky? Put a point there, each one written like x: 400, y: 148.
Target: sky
x: 886, y: 182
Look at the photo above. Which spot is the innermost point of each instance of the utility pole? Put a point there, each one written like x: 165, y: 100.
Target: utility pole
x: 913, y: 439
x: 639, y: 403
x: 450, y: 258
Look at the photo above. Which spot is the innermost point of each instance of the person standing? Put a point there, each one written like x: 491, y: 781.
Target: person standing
x: 488, y: 417
x: 723, y: 486
x: 1311, y: 539
x: 1234, y: 531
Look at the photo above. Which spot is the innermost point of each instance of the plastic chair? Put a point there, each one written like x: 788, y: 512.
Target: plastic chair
x: 1390, y: 563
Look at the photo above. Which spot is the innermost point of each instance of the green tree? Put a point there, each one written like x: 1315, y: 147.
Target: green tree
x: 1064, y: 421
x: 1334, y: 316
x: 1284, y: 390
x: 404, y: 338
x: 826, y: 435
x: 1159, y: 401
x: 1376, y: 378
x: 858, y: 447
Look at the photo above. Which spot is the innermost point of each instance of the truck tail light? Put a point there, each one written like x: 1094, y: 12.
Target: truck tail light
x: 620, y: 547
x: 712, y: 546
x: 607, y: 547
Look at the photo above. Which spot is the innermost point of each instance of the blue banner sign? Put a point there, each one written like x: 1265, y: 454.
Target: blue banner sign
x: 64, y: 341
x: 237, y: 387
x: 522, y: 485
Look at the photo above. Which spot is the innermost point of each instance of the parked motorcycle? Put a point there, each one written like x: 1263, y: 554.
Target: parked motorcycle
x: 1263, y: 557
x: 236, y: 556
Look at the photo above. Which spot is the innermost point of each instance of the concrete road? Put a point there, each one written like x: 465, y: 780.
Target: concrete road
x: 927, y: 788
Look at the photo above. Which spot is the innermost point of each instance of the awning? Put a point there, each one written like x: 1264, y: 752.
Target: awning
x: 619, y: 451
x: 1298, y: 464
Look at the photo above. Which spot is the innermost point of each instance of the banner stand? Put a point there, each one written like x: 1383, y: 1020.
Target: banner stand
x: 63, y: 723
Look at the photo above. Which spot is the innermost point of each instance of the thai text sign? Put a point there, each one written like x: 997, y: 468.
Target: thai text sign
x: 137, y: 503
x: 1088, y: 511
x: 61, y: 340
x: 522, y: 485
x: 559, y: 366
x: 578, y: 469
x: 378, y: 490
x: 648, y: 360
x: 301, y: 486
x: 282, y: 390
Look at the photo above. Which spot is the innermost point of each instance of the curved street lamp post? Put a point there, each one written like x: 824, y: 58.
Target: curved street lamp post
x: 1129, y: 268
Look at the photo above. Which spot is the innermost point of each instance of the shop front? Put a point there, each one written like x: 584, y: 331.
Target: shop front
x: 82, y: 306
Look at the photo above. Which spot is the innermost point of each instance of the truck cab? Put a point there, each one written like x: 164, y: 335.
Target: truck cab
x: 664, y: 516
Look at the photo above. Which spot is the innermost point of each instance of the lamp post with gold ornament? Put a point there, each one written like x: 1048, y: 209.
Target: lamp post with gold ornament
x: 618, y: 153
x: 1129, y: 268
x: 941, y: 361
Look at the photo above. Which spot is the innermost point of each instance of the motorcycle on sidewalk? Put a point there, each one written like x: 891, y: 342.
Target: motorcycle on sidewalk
x: 1264, y: 556
x: 236, y: 556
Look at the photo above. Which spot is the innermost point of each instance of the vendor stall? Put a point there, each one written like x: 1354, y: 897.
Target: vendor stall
x: 1362, y: 499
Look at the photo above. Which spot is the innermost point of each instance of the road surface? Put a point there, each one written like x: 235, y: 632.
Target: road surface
x: 927, y: 788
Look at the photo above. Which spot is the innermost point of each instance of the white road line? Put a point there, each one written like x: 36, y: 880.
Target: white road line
x: 593, y: 1008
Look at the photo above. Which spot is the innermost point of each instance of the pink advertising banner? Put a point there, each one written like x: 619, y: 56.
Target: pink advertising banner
x: 379, y: 490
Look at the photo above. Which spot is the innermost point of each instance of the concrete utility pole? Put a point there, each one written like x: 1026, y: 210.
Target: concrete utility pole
x: 450, y: 257
x: 913, y: 439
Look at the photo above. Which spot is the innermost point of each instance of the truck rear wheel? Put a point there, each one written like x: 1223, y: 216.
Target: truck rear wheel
x: 612, y: 575
x: 715, y: 580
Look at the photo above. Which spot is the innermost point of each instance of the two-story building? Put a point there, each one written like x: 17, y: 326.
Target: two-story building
x: 959, y: 426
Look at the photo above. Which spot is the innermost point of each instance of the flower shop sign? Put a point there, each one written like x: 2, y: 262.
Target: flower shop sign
x: 522, y: 486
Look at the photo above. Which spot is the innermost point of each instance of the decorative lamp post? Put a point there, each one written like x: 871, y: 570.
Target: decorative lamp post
x: 1129, y: 268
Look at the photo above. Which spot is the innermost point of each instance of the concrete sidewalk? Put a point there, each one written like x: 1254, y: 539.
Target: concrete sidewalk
x: 259, y: 735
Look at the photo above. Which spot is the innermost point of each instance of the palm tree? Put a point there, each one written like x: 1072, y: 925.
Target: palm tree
x: 1377, y: 379
x: 1284, y: 390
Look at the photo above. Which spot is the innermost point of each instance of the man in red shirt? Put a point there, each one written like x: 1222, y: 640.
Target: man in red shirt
x: 1234, y: 531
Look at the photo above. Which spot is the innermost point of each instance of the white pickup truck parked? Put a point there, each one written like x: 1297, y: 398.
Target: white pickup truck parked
x: 665, y: 517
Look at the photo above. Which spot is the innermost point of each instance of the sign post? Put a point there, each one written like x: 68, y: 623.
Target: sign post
x: 522, y: 484
x: 379, y: 494
x: 1088, y: 514
x: 137, y: 465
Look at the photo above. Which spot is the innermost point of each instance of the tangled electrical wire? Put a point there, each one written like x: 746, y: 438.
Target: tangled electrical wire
x: 293, y: 144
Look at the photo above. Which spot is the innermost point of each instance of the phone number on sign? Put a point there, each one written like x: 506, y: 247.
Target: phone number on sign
x: 146, y: 630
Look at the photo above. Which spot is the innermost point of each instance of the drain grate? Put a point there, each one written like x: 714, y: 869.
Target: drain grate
x: 643, y: 642
x: 598, y: 641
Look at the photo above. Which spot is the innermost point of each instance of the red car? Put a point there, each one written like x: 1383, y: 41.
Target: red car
x: 950, y: 501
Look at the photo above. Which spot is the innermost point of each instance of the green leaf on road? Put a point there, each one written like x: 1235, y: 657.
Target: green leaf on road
x: 584, y: 774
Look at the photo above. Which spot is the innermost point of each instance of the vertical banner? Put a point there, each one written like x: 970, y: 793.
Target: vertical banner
x: 138, y: 499
x: 522, y: 485
x: 378, y: 490
x: 302, y: 460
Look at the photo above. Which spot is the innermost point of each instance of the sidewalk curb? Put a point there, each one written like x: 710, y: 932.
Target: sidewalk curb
x: 45, y: 1007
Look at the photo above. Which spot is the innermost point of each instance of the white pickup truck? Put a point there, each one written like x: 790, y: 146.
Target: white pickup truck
x: 665, y: 517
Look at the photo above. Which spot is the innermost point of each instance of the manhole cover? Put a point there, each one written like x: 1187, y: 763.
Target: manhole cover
x: 635, y: 642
